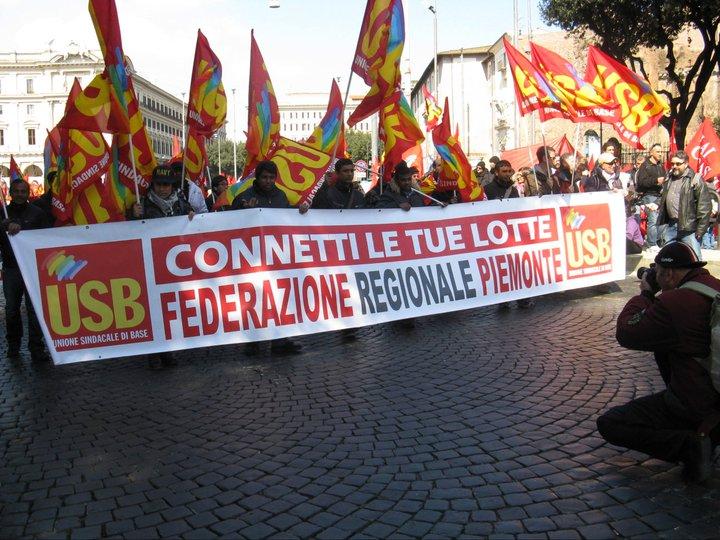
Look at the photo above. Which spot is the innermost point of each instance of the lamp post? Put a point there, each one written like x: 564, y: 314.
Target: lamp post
x: 234, y: 136
x: 432, y: 7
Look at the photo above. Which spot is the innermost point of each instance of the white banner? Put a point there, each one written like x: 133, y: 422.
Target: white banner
x: 120, y: 289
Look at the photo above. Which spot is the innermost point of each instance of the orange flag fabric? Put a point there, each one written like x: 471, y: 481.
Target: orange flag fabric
x: 455, y: 163
x: 433, y: 112
x: 377, y: 56
x: 399, y: 131
x: 263, y: 113
x: 589, y: 104
x: 532, y: 90
x: 195, y: 156
x: 641, y: 107
x: 300, y: 169
x: 93, y: 109
x: 704, y: 151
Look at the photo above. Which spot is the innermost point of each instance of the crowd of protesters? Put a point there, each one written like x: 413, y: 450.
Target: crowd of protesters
x: 661, y: 205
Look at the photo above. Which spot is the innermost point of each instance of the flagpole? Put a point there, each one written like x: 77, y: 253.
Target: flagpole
x: 3, y: 197
x: 132, y: 161
x: 575, y: 155
x: 184, y: 125
x: 547, y: 159
x: 443, y: 204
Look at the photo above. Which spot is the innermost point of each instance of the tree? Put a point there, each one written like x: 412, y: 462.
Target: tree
x: 226, y: 156
x: 358, y: 144
x: 624, y: 25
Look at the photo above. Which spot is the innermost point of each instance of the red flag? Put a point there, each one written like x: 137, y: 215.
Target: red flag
x: 590, y: 104
x: 107, y: 27
x: 195, y: 156
x: 176, y: 146
x: 300, y: 169
x: 93, y: 109
x: 377, y: 56
x: 330, y: 132
x: 532, y: 90
x: 263, y: 114
x: 641, y: 107
x: 455, y: 163
x: 704, y: 151
x: 207, y: 105
x: 673, y: 145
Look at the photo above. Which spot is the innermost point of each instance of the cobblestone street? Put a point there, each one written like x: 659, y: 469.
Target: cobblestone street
x: 477, y: 423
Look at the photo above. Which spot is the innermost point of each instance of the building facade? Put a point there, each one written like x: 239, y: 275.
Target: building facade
x: 33, y: 92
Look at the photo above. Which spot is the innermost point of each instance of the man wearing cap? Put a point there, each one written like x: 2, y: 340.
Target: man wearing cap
x: 163, y: 199
x: 21, y: 216
x: 681, y: 422
x: 605, y: 176
x: 685, y: 204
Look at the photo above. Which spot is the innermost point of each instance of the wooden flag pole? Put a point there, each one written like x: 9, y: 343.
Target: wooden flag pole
x: 575, y: 156
x: 132, y: 161
x: 4, y: 205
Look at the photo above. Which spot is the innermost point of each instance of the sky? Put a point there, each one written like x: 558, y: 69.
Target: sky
x: 305, y: 43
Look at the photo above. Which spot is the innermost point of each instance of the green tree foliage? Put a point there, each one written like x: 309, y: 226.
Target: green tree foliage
x: 358, y: 144
x: 622, y: 26
x: 226, y: 156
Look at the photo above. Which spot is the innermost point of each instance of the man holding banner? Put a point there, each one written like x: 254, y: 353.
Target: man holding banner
x: 21, y: 216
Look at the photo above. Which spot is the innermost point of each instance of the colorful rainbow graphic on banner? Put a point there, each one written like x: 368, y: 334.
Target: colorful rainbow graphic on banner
x: 574, y: 219
x: 63, y: 266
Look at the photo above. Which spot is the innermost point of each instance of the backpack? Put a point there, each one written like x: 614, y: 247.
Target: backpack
x: 712, y: 362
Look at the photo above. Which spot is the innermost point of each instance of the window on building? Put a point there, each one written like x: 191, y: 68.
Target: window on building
x: 30, y: 108
x: 31, y: 137
x: 2, y: 137
x: 0, y: 109
x: 29, y: 86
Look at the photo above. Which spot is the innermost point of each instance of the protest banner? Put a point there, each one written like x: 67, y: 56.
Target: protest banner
x: 120, y: 289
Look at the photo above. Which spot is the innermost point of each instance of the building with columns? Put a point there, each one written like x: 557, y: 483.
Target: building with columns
x: 33, y: 91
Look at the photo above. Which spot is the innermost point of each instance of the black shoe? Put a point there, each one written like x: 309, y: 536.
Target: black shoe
x: 154, y: 362
x: 285, y: 346
x: 349, y: 334
x: 167, y: 359
x: 39, y: 356
x: 252, y: 349
x: 698, y: 459
x: 526, y: 303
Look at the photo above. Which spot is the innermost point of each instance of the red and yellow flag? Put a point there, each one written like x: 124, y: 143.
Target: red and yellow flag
x: 15, y: 172
x: 263, y: 113
x: 399, y: 131
x: 107, y: 27
x: 455, y: 163
x: 590, y: 104
x: 330, y: 132
x: 433, y: 112
x: 207, y: 104
x: 532, y: 90
x: 704, y: 151
x: 640, y: 106
x: 377, y: 56
x: 195, y: 156
x: 300, y: 169
x: 93, y: 109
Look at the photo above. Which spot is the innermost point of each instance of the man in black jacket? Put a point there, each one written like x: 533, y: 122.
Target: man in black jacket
x: 685, y: 204
x: 648, y: 183
x: 21, y: 216
x: 343, y: 195
x: 265, y: 194
x: 502, y: 185
x: 400, y: 192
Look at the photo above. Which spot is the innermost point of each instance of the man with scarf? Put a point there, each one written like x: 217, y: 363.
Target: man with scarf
x: 21, y: 216
x: 163, y: 199
x: 605, y: 176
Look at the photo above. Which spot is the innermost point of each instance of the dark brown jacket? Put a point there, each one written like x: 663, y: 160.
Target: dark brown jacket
x: 676, y: 327
x: 695, y: 204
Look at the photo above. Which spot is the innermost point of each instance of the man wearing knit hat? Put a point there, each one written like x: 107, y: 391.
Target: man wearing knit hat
x: 681, y: 423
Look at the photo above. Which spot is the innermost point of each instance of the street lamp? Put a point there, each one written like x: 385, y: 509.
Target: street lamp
x: 234, y: 137
x: 432, y: 6
x: 273, y: 4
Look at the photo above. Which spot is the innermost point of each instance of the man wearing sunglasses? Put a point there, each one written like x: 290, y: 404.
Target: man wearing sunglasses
x: 685, y: 204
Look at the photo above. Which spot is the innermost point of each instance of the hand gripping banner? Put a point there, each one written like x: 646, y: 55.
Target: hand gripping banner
x: 120, y: 289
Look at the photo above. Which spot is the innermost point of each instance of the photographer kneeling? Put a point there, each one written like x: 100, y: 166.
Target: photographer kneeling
x: 681, y: 422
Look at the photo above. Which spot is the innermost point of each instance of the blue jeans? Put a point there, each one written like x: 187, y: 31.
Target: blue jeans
x: 652, y: 215
x: 708, y: 239
x: 671, y: 233
x: 14, y: 290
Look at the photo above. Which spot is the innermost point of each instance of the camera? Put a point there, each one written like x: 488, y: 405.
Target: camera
x: 650, y: 275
